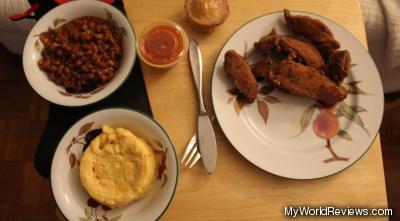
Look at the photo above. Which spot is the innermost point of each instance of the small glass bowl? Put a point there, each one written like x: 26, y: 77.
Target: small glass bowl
x: 174, y: 25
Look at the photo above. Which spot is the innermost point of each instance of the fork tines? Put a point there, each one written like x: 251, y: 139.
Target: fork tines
x: 191, y: 154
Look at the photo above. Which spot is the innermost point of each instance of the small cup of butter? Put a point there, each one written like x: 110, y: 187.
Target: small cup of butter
x: 206, y: 15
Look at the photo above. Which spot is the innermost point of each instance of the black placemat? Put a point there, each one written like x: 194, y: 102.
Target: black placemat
x: 131, y: 94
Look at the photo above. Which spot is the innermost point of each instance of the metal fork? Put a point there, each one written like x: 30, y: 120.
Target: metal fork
x: 192, y: 154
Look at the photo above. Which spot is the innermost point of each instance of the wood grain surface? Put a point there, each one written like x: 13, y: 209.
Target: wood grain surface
x: 238, y: 190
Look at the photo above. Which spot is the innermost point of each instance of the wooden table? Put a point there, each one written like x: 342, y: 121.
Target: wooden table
x: 238, y: 190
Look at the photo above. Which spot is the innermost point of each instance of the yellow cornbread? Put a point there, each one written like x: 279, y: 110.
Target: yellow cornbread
x: 118, y: 167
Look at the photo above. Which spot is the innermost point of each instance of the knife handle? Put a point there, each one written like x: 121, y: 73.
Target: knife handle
x: 197, y: 69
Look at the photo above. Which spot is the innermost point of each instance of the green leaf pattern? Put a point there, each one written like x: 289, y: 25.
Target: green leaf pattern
x: 343, y: 134
x: 57, y: 21
x: 306, y: 118
x: 37, y: 46
x: 352, y: 115
x: 357, y: 108
x: 352, y: 88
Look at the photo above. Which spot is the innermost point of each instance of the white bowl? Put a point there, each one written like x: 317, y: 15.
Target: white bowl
x: 58, y: 16
x: 69, y: 194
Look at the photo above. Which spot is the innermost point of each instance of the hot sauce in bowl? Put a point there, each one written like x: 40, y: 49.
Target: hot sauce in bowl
x: 162, y: 44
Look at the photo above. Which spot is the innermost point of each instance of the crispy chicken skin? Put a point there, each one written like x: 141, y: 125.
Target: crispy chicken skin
x: 305, y: 81
x: 263, y: 67
x: 244, y: 80
x: 338, y: 65
x: 296, y: 49
x: 315, y: 31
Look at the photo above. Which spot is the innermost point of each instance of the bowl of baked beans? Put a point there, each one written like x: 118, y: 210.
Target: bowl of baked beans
x: 79, y: 53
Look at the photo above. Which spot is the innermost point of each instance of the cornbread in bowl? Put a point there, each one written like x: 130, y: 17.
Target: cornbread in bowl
x: 118, y: 167
x: 117, y: 162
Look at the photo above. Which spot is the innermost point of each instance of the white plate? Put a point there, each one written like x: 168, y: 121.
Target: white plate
x: 59, y: 16
x: 276, y: 146
x: 68, y: 192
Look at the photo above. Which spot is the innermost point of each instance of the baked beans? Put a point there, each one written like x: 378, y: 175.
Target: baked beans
x: 81, y: 55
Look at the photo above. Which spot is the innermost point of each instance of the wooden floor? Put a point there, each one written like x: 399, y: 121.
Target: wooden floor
x: 24, y: 195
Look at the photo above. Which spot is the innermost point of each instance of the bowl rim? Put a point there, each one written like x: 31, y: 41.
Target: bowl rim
x: 131, y: 110
x: 181, y: 54
x: 26, y: 69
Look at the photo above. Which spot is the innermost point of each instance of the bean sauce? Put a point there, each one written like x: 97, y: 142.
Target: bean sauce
x: 81, y: 55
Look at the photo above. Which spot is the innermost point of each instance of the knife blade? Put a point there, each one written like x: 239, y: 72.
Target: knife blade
x: 206, y: 142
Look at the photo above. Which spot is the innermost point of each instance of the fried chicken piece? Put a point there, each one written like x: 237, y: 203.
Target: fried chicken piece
x: 244, y: 80
x: 315, y: 31
x: 305, y: 81
x: 263, y: 67
x: 268, y: 43
x: 338, y: 65
x: 295, y: 49
x: 338, y: 62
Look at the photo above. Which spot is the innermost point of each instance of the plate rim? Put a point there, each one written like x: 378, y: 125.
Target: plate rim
x: 135, y: 111
x: 107, y: 95
x: 213, y: 75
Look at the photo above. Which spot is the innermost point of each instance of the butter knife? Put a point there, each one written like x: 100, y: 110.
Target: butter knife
x: 205, y: 132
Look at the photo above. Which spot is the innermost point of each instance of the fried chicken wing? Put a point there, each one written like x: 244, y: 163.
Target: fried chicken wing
x: 296, y: 49
x: 244, y: 80
x: 338, y: 65
x: 305, y: 81
x: 268, y: 43
x: 314, y: 30
x: 263, y: 67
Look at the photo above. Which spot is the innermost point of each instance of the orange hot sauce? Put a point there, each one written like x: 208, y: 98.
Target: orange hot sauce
x: 162, y: 44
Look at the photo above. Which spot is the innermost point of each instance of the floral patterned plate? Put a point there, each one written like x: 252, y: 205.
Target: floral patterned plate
x: 74, y: 202
x: 56, y: 18
x: 290, y: 136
